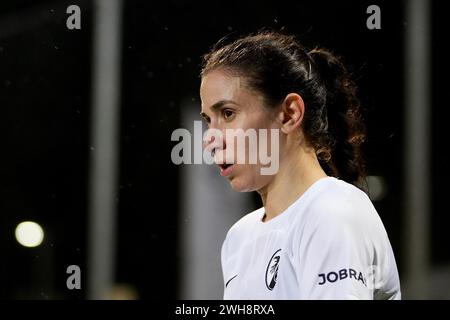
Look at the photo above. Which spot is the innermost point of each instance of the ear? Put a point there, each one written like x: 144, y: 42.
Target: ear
x: 292, y: 112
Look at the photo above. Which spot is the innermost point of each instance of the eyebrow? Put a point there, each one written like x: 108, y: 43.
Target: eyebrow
x: 217, y: 106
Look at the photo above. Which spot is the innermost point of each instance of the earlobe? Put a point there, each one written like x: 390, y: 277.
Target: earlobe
x: 293, y: 109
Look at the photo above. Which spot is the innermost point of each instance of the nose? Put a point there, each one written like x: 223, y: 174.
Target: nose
x: 213, y: 141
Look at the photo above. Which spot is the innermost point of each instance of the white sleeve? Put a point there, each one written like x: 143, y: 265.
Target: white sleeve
x: 334, y: 257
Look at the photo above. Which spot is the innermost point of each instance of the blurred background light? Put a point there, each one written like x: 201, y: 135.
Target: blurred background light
x: 29, y: 234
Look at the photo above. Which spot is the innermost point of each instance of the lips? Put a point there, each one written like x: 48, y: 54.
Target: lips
x: 226, y: 169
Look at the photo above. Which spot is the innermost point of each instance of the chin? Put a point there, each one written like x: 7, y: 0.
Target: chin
x: 241, y: 184
x: 247, y: 179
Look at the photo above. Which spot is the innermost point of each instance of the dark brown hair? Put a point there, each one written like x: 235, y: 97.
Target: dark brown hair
x: 275, y: 65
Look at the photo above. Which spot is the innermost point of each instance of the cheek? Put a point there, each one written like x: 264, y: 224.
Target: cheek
x: 261, y: 121
x: 265, y: 133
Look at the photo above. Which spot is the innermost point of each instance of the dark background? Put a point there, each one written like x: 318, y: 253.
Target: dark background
x: 45, y: 97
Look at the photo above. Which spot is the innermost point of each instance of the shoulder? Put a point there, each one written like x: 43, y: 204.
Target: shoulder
x: 239, y: 231
x: 245, y: 225
x: 343, y: 207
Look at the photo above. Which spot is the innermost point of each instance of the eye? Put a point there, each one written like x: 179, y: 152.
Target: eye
x: 227, y: 114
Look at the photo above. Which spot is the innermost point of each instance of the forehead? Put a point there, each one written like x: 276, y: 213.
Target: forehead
x: 219, y: 85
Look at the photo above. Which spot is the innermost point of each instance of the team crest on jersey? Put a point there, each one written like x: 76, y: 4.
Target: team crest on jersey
x: 272, y: 270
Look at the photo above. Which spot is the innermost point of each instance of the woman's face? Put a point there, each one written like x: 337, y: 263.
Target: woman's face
x: 228, y: 104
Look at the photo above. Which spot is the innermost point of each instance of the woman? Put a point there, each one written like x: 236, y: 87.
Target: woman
x: 317, y: 235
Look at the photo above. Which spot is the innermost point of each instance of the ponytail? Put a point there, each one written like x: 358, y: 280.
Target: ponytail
x: 346, y: 130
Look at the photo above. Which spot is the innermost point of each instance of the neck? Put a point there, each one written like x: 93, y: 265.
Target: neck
x: 294, y: 177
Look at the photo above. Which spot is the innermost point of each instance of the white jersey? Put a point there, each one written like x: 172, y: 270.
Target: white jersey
x: 329, y: 244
